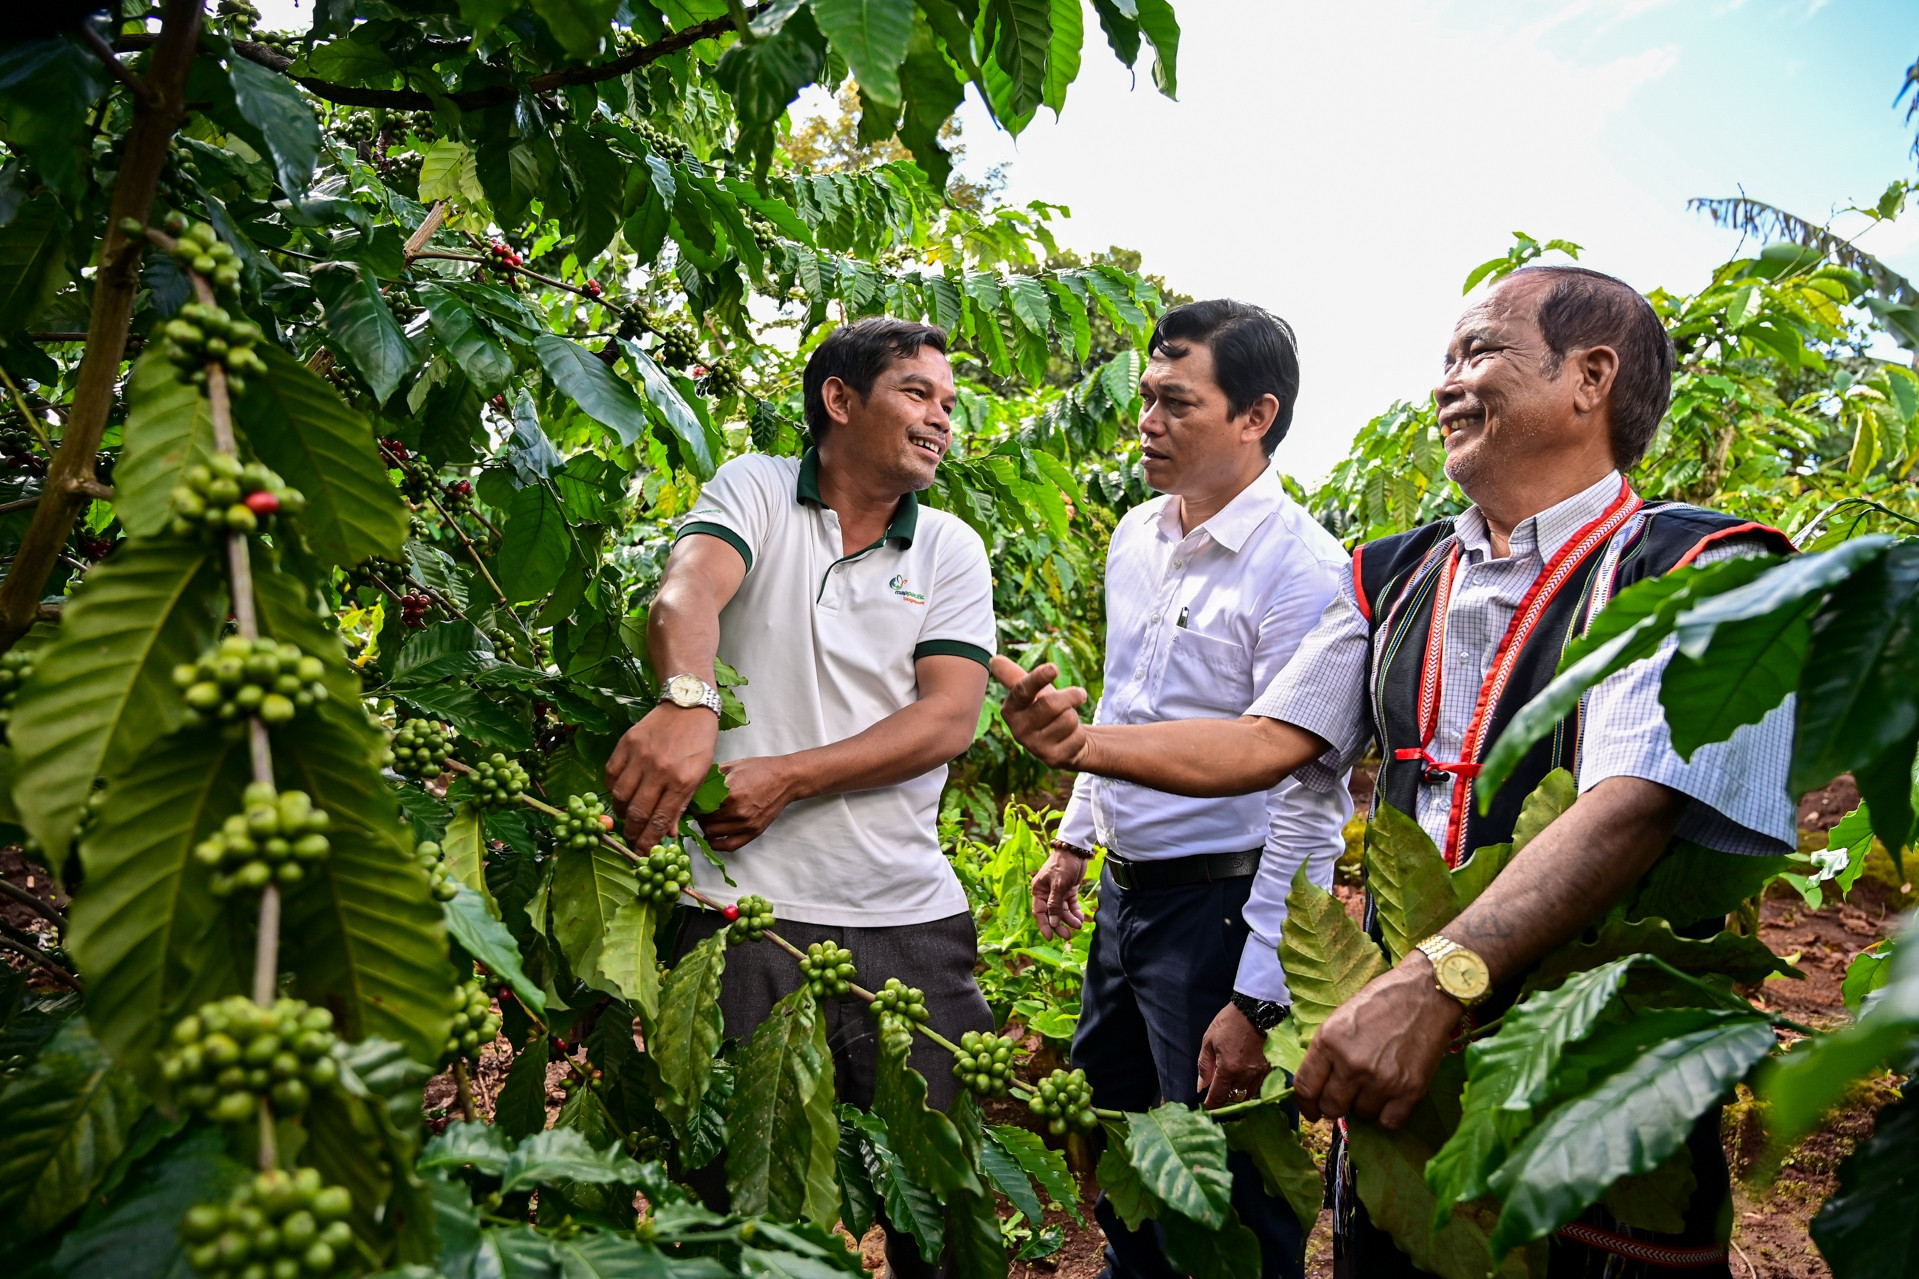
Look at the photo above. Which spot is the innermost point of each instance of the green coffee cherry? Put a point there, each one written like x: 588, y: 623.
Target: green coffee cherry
x: 228, y: 1054
x: 499, y: 781
x: 200, y: 250
x: 585, y: 821
x: 202, y: 335
x: 420, y: 746
x: 240, y: 677
x: 428, y: 854
x: 276, y: 840
x: 15, y: 668
x: 898, y: 998
x: 274, y: 1225
x: 474, y: 1022
x: 828, y: 969
x: 1064, y: 1099
x: 984, y: 1063
x: 224, y: 496
x: 663, y: 872
x: 748, y: 919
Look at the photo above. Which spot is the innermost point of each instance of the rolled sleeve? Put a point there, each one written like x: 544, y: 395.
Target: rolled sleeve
x: 1740, y: 802
x: 1323, y: 690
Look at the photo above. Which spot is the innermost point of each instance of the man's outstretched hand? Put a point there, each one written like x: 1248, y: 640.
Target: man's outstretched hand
x: 1045, y: 720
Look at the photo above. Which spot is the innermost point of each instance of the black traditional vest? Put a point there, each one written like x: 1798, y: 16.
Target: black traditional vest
x: 1404, y: 583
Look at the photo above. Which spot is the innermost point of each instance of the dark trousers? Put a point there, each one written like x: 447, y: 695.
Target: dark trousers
x: 938, y: 957
x: 1161, y: 967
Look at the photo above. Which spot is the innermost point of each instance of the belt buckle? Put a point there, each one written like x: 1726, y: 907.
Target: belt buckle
x: 1121, y: 872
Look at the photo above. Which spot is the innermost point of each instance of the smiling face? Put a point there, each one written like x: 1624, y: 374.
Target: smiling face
x: 1189, y: 440
x: 903, y: 428
x: 1499, y: 412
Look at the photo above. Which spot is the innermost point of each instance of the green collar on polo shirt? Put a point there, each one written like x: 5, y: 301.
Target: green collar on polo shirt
x: 906, y: 518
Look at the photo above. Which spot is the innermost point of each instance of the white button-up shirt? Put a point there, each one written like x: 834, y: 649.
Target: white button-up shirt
x: 1737, y: 787
x: 1196, y: 624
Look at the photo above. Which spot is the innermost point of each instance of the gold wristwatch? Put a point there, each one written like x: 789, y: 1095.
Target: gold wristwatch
x: 1457, y: 971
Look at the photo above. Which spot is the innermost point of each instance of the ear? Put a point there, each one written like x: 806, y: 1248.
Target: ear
x: 1594, y: 371
x: 1258, y: 418
x: 838, y: 399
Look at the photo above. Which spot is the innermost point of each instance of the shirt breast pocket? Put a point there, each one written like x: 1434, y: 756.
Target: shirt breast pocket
x: 1203, y: 677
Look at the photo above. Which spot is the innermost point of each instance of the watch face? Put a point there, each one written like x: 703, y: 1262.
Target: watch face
x: 686, y: 690
x: 1463, y: 975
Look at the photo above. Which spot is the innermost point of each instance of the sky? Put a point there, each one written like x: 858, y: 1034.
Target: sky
x: 1347, y: 164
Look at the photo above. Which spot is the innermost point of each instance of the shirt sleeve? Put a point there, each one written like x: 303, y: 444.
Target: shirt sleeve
x: 736, y: 505
x: 1322, y: 689
x: 1304, y: 825
x: 959, y: 607
x: 1076, y: 823
x: 1738, y: 788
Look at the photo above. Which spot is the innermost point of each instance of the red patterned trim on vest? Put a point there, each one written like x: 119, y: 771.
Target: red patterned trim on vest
x: 1737, y: 530
x: 1664, y: 1256
x: 1531, y: 608
x: 1359, y: 586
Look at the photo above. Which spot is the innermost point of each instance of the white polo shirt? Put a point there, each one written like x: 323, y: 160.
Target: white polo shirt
x: 827, y: 642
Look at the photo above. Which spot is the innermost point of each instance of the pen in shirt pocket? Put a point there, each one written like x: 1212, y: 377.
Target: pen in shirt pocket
x: 1181, y: 623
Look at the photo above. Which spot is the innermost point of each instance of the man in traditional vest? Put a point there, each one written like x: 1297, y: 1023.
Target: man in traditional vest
x: 1552, y: 386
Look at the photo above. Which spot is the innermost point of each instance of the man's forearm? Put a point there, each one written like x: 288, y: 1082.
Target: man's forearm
x: 1570, y: 875
x: 683, y: 630
x: 906, y: 744
x: 1200, y: 757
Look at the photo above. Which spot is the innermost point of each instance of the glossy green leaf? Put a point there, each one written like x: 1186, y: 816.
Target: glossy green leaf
x: 270, y: 103
x: 536, y: 547
x: 1409, y: 881
x: 48, y: 88
x: 463, y: 849
x: 686, y: 1036
x: 1869, y: 970
x: 763, y: 77
x: 562, y: 1153
x: 299, y: 426
x: 1327, y: 958
x: 151, y: 939
x: 68, y: 1116
x: 103, y: 688
x: 362, y: 328
x: 782, y: 1131
x: 1007, y: 1177
x: 579, y: 25
x: 1123, y: 1186
x: 1156, y: 20
x: 372, y: 939
x: 481, y: 935
x: 472, y: 346
x: 1741, y: 675
x: 909, y: 1205
x: 521, y: 1108
x: 1656, y: 1200
x: 1859, y: 696
x: 1019, y: 34
x: 589, y: 888
x: 1180, y: 1156
x: 925, y: 1140
x: 973, y: 1238
x: 1270, y: 1138
x: 584, y: 378
x: 1742, y: 958
x: 1062, y: 57
x: 872, y: 36
x: 477, y: 1145
x: 169, y: 427
x: 33, y: 260
x: 671, y: 408
x: 1869, y: 1228
x: 1691, y: 883
x: 1046, y: 1166
x: 627, y: 960
x: 1390, y: 1169
x: 136, y: 1235
x: 1207, y: 1252
x: 1629, y: 1123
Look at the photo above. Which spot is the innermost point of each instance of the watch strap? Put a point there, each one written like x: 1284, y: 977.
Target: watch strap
x: 1436, y: 948
x: 710, y: 696
x: 1263, y: 1013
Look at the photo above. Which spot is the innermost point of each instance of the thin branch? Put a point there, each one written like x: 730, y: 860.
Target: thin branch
x: 46, y: 909
x: 42, y: 960
x: 1771, y: 223
x: 416, y: 242
x: 141, y: 91
x: 32, y: 422
x: 492, y: 264
x: 475, y: 99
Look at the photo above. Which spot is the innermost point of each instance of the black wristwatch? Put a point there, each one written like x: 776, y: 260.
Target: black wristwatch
x: 1263, y: 1013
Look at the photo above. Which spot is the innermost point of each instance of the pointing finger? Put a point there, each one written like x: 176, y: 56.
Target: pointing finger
x: 1007, y: 671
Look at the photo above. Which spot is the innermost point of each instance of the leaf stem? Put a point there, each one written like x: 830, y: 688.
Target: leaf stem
x: 47, y: 910
x: 464, y: 1084
x: 26, y: 410
x: 44, y: 961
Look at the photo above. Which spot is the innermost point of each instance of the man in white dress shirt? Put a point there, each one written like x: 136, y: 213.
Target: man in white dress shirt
x: 1209, y: 591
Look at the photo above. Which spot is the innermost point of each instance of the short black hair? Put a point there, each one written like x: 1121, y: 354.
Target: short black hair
x: 1580, y: 309
x: 857, y: 354
x: 1254, y: 354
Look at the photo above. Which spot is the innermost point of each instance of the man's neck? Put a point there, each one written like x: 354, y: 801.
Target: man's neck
x: 1528, y: 491
x: 865, y: 508
x: 1203, y: 503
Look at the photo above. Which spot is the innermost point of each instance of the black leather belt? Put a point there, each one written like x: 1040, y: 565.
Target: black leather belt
x: 1178, y: 872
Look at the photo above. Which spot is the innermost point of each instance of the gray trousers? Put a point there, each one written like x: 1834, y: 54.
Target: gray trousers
x: 938, y: 957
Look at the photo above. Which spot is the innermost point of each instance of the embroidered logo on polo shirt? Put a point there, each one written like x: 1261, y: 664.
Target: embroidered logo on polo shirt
x: 898, y: 587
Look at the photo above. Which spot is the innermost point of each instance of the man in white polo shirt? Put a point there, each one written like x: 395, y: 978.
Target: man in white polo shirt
x: 863, y: 622
x: 1209, y: 590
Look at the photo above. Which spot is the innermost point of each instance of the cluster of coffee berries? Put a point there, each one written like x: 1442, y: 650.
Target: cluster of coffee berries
x: 720, y: 380
x: 439, y: 879
x: 678, y: 347
x: 15, y: 668
x: 593, y: 289
x: 401, y: 168
x: 420, y: 746
x: 1064, y: 1099
x: 373, y: 570
x: 223, y: 496
x: 901, y: 1000
x: 413, y: 610
x: 418, y: 477
x: 227, y: 1054
x: 240, y: 16
x: 270, y: 842
x: 499, y: 781
x: 284, y: 43
x: 358, y: 127
x: 420, y: 123
x: 764, y: 234
x: 828, y: 969
x: 504, y: 254
x: 659, y: 141
x: 201, y: 335
x: 663, y: 872
x: 584, y: 821
x: 984, y: 1063
x: 273, y: 1225
x: 457, y: 496
x: 250, y: 677
x: 197, y: 247
x: 16, y: 448
x: 748, y: 919
x: 474, y: 1022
